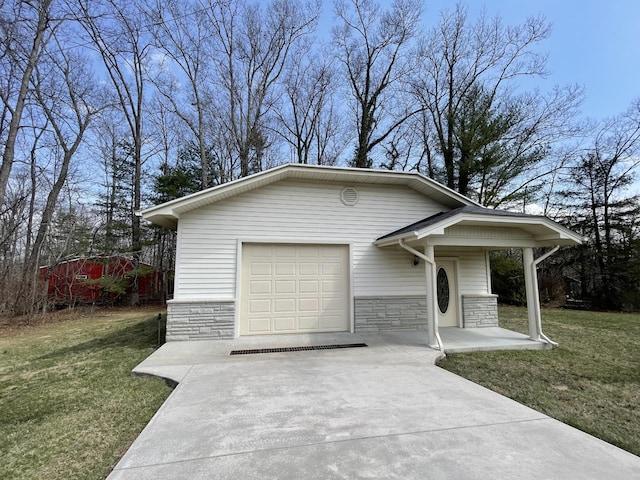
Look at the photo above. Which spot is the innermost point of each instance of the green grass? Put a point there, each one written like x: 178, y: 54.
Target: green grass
x: 591, y: 381
x: 69, y: 405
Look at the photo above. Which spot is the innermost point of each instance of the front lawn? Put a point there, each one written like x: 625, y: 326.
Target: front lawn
x: 591, y: 381
x: 69, y: 405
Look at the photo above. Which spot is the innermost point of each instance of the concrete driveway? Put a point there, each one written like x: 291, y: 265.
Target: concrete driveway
x: 382, y: 411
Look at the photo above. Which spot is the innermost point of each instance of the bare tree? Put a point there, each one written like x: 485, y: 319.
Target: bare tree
x: 68, y: 98
x: 12, y: 219
x: 479, y: 135
x: 119, y: 35
x: 373, y: 46
x: 25, y: 29
x: 114, y: 194
x: 331, y: 139
x: 181, y: 31
x: 308, y: 86
x: 166, y: 129
x: 400, y: 149
x: 39, y: 128
x: 603, y: 208
x: 253, y: 42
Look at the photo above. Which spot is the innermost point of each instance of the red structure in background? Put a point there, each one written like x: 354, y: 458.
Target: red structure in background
x: 99, y: 279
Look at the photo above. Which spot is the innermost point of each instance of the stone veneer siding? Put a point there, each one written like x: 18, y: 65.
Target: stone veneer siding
x: 480, y: 310
x: 200, y: 320
x: 379, y: 314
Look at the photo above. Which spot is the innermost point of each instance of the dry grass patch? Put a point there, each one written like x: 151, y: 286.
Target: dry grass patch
x: 592, y: 381
x: 70, y: 407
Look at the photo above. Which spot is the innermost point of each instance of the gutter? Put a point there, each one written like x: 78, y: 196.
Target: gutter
x: 433, y: 264
x: 534, y: 265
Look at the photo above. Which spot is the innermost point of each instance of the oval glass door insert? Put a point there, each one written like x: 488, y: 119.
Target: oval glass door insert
x: 442, y: 281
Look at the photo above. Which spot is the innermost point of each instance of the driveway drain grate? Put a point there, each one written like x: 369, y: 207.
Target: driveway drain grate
x: 297, y: 349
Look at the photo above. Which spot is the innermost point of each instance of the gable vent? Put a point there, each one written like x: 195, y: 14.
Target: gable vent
x: 349, y: 196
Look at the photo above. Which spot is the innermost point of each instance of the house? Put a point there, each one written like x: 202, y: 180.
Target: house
x: 98, y: 279
x: 304, y: 249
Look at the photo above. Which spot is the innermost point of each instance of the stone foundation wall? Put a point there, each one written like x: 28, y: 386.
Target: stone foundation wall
x: 200, y: 320
x: 480, y: 311
x: 378, y: 314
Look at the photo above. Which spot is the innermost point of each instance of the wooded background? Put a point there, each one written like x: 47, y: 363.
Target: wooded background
x: 109, y: 106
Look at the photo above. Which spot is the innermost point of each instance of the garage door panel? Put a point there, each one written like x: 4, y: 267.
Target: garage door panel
x: 284, y: 324
x: 331, y: 268
x: 260, y: 306
x: 307, y: 268
x: 259, y: 325
x: 285, y: 268
x: 294, y: 288
x: 330, y: 322
x: 308, y: 305
x: 262, y: 250
x: 261, y: 268
x: 284, y: 251
x: 308, y: 251
x: 284, y: 305
x: 285, y: 286
x: 260, y: 286
x: 309, y: 322
x: 331, y: 304
x: 309, y: 286
x: 332, y: 286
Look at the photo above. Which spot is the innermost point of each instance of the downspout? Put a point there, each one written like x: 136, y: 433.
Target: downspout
x: 534, y: 266
x: 433, y: 264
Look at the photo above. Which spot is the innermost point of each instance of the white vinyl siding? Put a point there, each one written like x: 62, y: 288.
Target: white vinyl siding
x: 302, y: 212
x: 472, y: 269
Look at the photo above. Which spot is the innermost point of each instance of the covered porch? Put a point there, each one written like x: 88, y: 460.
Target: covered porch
x: 462, y: 340
x: 437, y: 239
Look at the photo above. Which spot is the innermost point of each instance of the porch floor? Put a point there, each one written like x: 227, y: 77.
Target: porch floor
x: 460, y: 340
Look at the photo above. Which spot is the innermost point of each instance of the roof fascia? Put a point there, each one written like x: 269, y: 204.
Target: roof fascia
x: 438, y: 229
x: 497, y: 243
x: 386, y: 242
x: 168, y: 208
x: 563, y: 232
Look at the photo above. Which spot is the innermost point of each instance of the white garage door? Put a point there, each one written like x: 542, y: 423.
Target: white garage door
x: 294, y: 289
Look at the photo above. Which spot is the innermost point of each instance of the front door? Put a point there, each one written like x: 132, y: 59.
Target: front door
x: 447, y: 293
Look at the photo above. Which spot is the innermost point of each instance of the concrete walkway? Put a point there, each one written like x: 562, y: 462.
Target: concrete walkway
x: 382, y: 411
x: 463, y: 340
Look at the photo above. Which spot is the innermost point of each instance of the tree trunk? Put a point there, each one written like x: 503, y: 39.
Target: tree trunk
x: 18, y: 109
x: 26, y: 300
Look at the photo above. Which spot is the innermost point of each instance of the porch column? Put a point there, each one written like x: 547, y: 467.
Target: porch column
x: 429, y: 258
x: 432, y: 303
x: 533, y: 299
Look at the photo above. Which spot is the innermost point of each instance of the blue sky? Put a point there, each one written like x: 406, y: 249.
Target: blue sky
x: 594, y: 43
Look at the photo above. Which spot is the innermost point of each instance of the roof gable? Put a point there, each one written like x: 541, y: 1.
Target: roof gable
x: 542, y: 229
x: 167, y: 214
